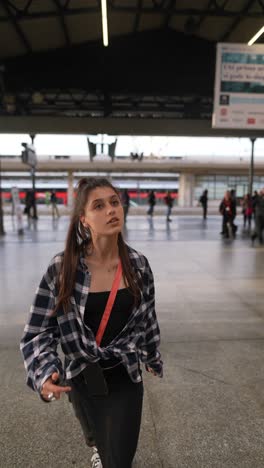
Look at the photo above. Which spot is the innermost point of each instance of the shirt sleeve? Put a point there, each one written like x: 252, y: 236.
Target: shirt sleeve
x: 41, y: 337
x: 149, y: 351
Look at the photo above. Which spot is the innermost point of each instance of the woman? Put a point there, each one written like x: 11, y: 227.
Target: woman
x: 247, y: 210
x: 227, y: 210
x: 102, y: 373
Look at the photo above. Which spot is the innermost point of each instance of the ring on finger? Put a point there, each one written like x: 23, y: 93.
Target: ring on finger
x: 51, y: 396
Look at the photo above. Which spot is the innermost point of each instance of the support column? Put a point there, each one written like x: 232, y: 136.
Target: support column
x: 186, y: 190
x: 70, y: 191
x: 2, y: 231
x: 251, y: 170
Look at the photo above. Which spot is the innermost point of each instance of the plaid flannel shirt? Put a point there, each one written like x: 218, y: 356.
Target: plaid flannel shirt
x: 139, y: 339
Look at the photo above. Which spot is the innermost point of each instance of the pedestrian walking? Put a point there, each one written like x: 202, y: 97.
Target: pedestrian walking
x: 226, y: 209
x: 54, y: 207
x: 151, y: 202
x: 97, y: 300
x: 169, y: 202
x: 233, y: 209
x: 254, y: 201
x: 30, y: 202
x: 247, y: 210
x: 125, y: 198
x: 204, y: 201
x: 47, y: 198
x: 259, y: 218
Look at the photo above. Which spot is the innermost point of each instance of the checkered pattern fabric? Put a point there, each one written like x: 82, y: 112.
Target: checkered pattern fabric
x: 139, y: 339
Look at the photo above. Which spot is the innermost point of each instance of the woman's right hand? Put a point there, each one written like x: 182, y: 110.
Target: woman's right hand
x: 50, y: 386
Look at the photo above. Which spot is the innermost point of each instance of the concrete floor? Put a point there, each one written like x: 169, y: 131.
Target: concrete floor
x: 208, y: 410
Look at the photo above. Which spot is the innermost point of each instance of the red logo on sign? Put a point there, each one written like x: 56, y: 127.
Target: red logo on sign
x: 223, y: 111
x: 250, y: 120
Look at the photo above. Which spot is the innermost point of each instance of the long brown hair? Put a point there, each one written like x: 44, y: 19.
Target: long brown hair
x: 73, y: 249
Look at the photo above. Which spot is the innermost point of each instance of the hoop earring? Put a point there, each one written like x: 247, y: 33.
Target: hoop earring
x: 83, y: 234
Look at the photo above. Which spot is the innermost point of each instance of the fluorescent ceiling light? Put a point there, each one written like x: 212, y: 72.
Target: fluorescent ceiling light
x: 104, y: 22
x: 254, y: 38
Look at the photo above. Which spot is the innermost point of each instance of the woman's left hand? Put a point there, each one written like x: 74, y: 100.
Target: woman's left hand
x: 151, y: 371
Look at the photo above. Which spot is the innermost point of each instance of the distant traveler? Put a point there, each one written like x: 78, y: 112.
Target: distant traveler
x: 204, y: 201
x: 254, y: 201
x: 152, y: 202
x: 53, y: 201
x: 234, y: 208
x: 125, y: 198
x: 247, y: 210
x: 169, y: 202
x: 72, y: 306
x: 30, y: 208
x: 47, y: 198
x: 13, y: 205
x: 226, y: 209
x: 259, y: 220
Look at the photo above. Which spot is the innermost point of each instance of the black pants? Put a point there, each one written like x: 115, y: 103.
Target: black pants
x: 204, y: 211
x: 150, y: 210
x: 259, y: 227
x: 247, y: 219
x: 228, y: 219
x: 111, y: 422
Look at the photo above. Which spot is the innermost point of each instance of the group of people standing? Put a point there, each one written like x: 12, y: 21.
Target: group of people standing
x: 252, y: 208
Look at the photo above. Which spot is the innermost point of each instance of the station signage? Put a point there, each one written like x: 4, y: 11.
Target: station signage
x: 239, y: 87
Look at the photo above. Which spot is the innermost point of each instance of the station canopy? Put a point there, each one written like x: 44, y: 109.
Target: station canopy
x: 159, y: 64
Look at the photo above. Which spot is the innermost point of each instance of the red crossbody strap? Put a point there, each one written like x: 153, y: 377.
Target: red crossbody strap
x: 109, y: 305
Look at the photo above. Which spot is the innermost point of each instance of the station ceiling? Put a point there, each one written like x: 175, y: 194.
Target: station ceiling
x: 160, y: 62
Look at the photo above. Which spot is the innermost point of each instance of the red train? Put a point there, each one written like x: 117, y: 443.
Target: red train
x: 61, y: 194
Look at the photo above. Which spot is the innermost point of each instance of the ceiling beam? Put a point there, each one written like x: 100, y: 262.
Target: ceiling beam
x: 14, y: 22
x: 218, y: 13
x: 243, y: 13
x: 28, y: 5
x: 208, y: 8
x: 137, y: 16
x: 169, y: 13
x: 62, y: 22
x: 119, y: 126
x: 211, y: 9
x: 197, y: 22
x: 45, y: 14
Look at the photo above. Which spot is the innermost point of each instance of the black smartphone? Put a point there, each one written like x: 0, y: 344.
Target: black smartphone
x: 95, y: 384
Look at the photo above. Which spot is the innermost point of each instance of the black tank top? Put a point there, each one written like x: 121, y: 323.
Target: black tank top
x: 119, y: 317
